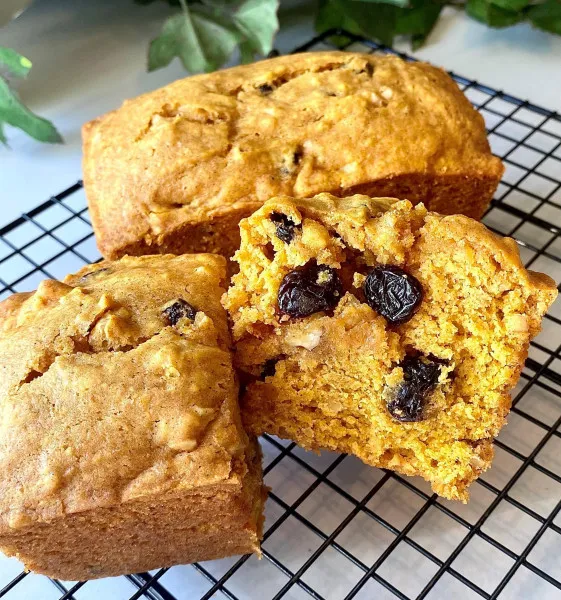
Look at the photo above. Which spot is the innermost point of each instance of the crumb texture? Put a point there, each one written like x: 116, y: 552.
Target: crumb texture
x: 118, y: 410
x: 425, y: 395
x: 177, y: 168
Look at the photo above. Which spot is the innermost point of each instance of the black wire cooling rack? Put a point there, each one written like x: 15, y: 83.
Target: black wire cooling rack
x: 336, y: 528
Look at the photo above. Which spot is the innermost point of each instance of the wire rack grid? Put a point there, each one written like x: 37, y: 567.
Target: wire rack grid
x: 336, y: 528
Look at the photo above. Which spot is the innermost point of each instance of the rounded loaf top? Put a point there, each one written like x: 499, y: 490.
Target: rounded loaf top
x: 199, y: 154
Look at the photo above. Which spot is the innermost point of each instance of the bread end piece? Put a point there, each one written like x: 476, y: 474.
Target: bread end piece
x: 122, y: 447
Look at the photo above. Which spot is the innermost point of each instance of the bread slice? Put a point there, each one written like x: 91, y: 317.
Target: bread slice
x: 377, y: 328
x: 176, y: 169
x: 121, y: 445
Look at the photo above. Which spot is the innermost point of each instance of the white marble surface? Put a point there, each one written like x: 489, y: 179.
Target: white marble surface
x: 89, y: 56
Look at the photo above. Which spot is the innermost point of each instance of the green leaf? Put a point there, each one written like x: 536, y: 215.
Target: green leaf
x: 200, y: 41
x: 379, y: 21
x: 418, y: 20
x: 3, y: 139
x: 257, y: 20
x: 512, y: 5
x: 418, y: 40
x: 14, y: 113
x: 331, y: 14
x: 401, y: 3
x: 492, y: 15
x: 247, y: 53
x: 546, y: 16
x: 15, y: 64
x: 145, y: 2
x: 362, y: 18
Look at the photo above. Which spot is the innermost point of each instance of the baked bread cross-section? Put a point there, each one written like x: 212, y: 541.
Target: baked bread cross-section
x: 377, y: 328
x: 121, y: 445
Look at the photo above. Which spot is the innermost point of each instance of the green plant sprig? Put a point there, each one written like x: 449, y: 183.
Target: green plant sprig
x: 12, y: 111
x: 384, y: 20
x: 205, y: 33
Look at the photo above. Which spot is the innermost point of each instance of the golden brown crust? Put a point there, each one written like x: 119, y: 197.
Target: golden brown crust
x: 143, y: 535
x: 9, y: 309
x: 111, y: 413
x: 203, y: 149
x: 334, y: 373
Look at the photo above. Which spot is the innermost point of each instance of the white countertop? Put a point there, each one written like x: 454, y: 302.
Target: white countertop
x: 89, y: 56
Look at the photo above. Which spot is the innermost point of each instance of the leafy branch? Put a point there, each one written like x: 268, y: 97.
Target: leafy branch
x: 205, y: 34
x: 13, y: 112
x: 386, y: 19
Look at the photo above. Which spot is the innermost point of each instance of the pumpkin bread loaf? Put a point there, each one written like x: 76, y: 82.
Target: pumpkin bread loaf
x: 176, y: 169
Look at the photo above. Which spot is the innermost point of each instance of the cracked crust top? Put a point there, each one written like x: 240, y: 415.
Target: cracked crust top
x: 215, y: 147
x: 102, y: 395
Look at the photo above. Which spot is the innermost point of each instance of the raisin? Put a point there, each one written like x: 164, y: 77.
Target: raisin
x: 269, y: 368
x: 297, y: 156
x: 285, y: 227
x: 308, y: 290
x: 420, y: 377
x: 368, y: 69
x: 179, y: 309
x: 393, y: 293
x: 265, y: 89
